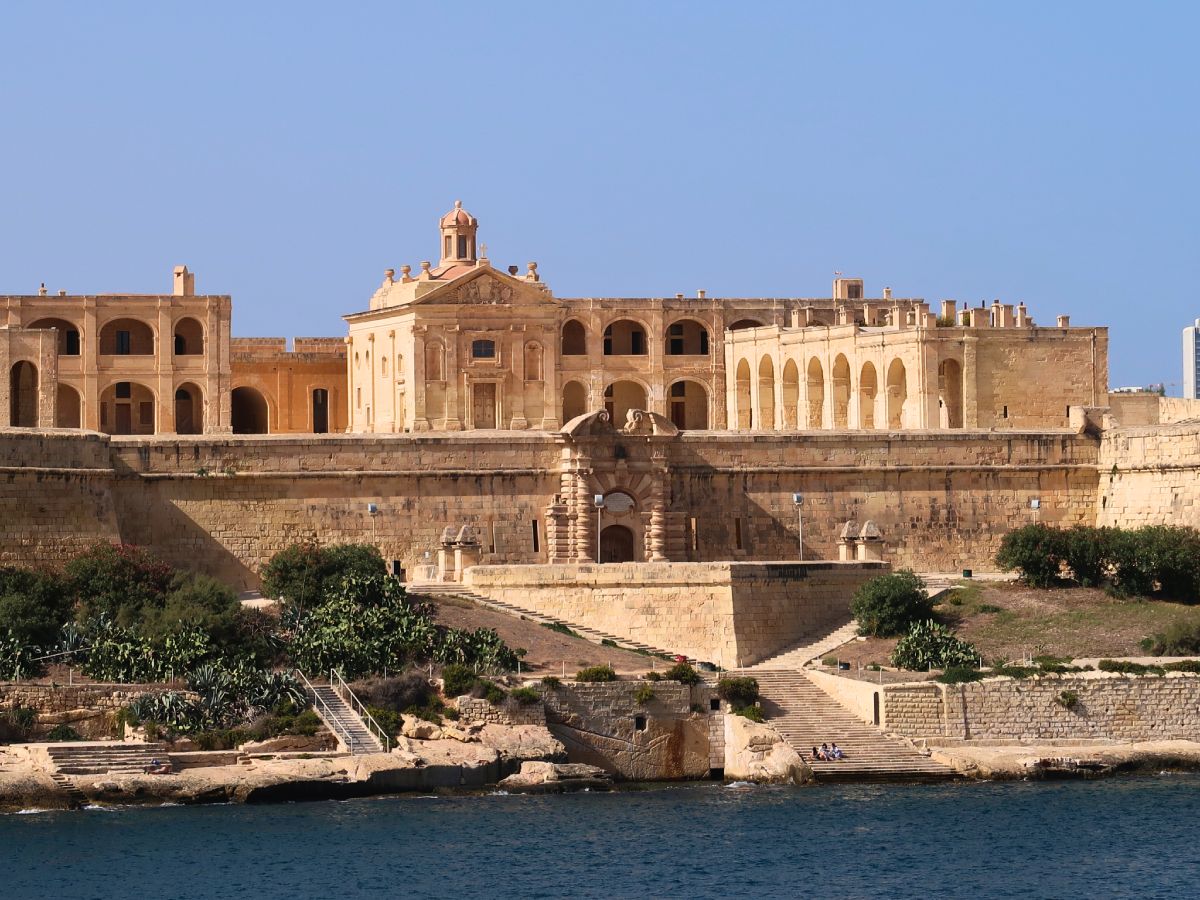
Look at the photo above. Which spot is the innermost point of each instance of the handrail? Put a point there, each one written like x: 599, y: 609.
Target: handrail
x: 343, y: 691
x: 330, y: 719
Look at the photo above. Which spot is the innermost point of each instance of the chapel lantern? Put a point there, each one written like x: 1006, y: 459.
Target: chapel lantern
x: 458, y: 236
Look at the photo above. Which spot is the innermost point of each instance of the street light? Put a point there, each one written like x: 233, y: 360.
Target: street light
x: 372, y: 511
x: 798, y: 500
x: 598, y: 500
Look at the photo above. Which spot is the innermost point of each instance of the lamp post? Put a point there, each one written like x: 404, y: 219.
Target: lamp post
x: 598, y: 500
x: 798, y: 500
x: 372, y: 511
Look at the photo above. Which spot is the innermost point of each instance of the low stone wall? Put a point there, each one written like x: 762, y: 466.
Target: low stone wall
x: 88, y: 708
x: 729, y: 613
x: 604, y: 725
x: 476, y: 709
x: 1091, y: 705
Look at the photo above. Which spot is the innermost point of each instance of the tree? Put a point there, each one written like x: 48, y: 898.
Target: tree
x: 118, y: 581
x: 304, y: 575
x: 887, y: 605
x: 33, y: 606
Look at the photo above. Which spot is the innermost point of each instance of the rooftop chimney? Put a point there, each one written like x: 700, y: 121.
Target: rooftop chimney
x: 185, y: 282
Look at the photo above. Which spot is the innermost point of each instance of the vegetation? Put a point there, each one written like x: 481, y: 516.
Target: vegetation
x: 1158, y: 560
x: 960, y: 675
x: 929, y: 645
x: 889, y: 604
x: 1180, y: 638
x: 457, y: 680
x: 1067, y: 699
x: 552, y: 682
x: 738, y: 691
x: 525, y: 696
x: 596, y: 673
x: 643, y: 694
x: 683, y: 673
x: 753, y: 713
x: 561, y: 629
x: 303, y: 575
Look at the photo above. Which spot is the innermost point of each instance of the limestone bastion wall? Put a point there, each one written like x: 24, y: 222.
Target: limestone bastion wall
x: 727, y: 613
x: 943, y: 500
x: 1150, y: 476
x: 1121, y: 707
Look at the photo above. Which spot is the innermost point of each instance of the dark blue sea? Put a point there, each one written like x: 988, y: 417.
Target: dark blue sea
x: 1127, y: 837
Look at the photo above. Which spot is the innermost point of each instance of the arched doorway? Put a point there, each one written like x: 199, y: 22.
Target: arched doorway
x: 127, y: 407
x: 950, y: 387
x: 841, y: 392
x: 745, y: 411
x: 574, y: 401
x: 791, y: 393
x: 622, y: 396
x: 868, y: 387
x: 320, y: 411
x: 816, y: 393
x: 616, y: 544
x: 189, y: 410
x: 68, y: 408
x: 23, y: 395
x: 766, y: 393
x: 689, y: 405
x: 897, y: 394
x: 248, y: 411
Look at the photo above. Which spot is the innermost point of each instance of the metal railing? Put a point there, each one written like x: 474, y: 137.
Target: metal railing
x: 349, y: 697
x: 328, y: 715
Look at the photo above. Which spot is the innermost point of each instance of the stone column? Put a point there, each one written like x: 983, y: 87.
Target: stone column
x: 656, y: 535
x: 585, y: 534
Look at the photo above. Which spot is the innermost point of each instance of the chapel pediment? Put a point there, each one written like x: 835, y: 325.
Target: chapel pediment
x: 484, y: 287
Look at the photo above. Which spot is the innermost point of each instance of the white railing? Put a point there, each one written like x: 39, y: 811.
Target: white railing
x: 327, y: 714
x: 348, y: 696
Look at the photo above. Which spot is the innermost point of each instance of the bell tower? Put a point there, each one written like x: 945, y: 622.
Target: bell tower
x: 458, y: 229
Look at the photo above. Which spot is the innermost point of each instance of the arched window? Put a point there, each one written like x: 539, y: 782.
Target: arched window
x: 68, y: 335
x: 766, y: 393
x: 533, y: 362
x: 126, y: 337
x: 189, y: 337
x: 624, y: 338
x: 816, y: 393
x: 744, y: 323
x: 687, y: 338
x: 841, y: 392
x: 574, y: 339
x: 622, y: 396
x: 689, y: 405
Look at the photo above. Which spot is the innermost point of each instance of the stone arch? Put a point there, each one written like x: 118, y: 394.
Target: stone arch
x: 766, y: 393
x: 68, y: 407
x: 248, y: 411
x: 617, y: 544
x: 686, y: 337
x: 744, y: 323
x: 189, y: 337
x: 815, y: 377
x: 841, y: 391
x: 189, y: 409
x: 688, y: 405
x: 950, y: 390
x: 791, y: 393
x: 574, y: 338
x: 23, y: 394
x: 868, y: 388
x: 574, y: 400
x: 897, y: 393
x: 68, y: 334
x: 745, y: 411
x: 533, y: 361
x: 126, y: 337
x: 622, y: 396
x: 127, y: 407
x: 435, y: 361
x: 625, y: 337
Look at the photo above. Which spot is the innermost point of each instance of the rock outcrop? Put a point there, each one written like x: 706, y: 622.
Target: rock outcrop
x: 755, y: 752
x: 556, y: 778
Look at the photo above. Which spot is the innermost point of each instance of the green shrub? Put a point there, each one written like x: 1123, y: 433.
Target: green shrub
x: 1036, y: 551
x: 653, y: 676
x: 1067, y: 699
x: 525, y: 696
x: 887, y: 605
x: 753, y: 713
x: 738, y: 691
x: 560, y: 628
x: 33, y: 606
x: 117, y: 581
x: 1183, y: 665
x: 304, y: 575
x: 489, y: 691
x: 683, y: 673
x: 608, y: 642
x: 389, y: 720
x: 1007, y: 671
x: 643, y: 694
x: 1088, y: 553
x: 930, y: 645
x: 1125, y: 667
x: 960, y: 675
x: 552, y: 682
x: 596, y: 673
x: 1172, y: 555
x: 398, y: 692
x: 989, y: 608
x: 457, y: 680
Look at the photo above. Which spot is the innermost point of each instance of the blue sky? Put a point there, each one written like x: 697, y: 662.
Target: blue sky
x: 289, y: 153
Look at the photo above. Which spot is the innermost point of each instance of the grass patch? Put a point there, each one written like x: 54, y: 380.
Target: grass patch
x: 562, y: 629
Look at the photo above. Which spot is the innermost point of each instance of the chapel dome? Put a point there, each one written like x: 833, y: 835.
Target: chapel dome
x: 457, y: 216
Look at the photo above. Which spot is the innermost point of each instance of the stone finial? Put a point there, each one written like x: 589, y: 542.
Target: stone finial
x: 426, y: 274
x: 533, y: 273
x: 405, y: 274
x: 389, y: 275
x: 42, y: 290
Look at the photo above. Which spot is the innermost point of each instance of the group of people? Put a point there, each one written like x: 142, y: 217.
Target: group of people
x: 828, y: 752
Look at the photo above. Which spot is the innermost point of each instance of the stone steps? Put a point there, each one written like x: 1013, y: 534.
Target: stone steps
x: 346, y: 724
x: 806, y: 717
x: 800, y: 655
x: 590, y: 634
x: 105, y: 759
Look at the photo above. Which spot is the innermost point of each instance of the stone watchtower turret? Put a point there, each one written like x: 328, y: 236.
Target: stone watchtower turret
x: 458, y: 237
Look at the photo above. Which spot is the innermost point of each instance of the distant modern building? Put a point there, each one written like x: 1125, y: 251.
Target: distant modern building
x: 1191, y: 361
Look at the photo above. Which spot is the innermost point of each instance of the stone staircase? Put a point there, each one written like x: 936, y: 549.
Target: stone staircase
x: 806, y: 717
x: 590, y: 634
x: 346, y: 724
x: 800, y: 655
x: 104, y: 759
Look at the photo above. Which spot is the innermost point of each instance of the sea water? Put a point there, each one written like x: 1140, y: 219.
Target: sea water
x: 1123, y: 837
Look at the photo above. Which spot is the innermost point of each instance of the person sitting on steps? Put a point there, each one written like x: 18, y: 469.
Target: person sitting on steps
x: 835, y: 752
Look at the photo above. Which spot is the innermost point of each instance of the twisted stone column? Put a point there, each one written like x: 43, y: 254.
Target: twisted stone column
x: 585, y: 534
x: 656, y: 538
